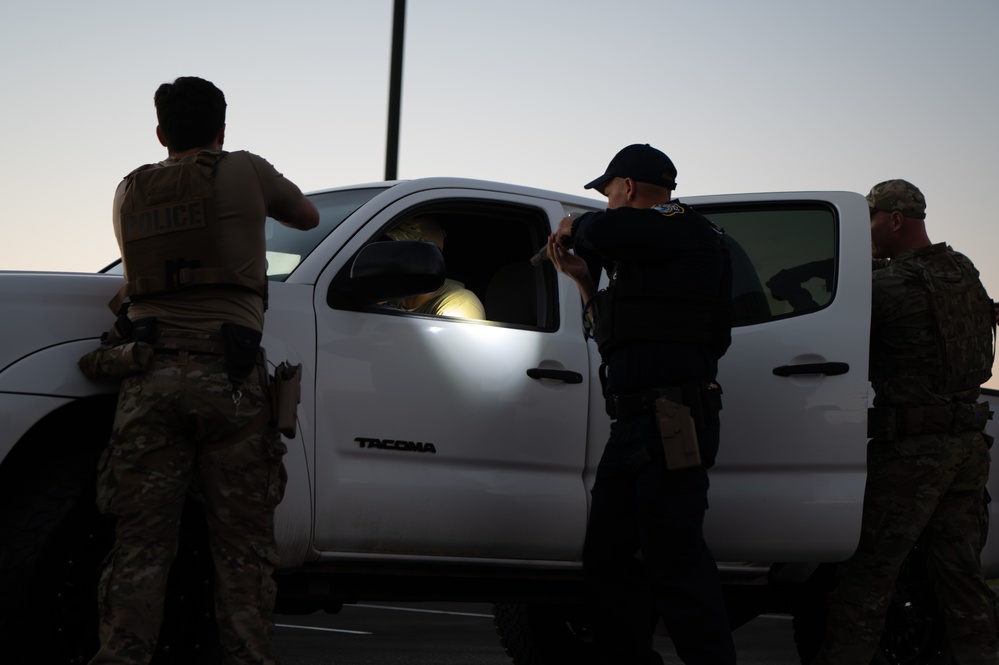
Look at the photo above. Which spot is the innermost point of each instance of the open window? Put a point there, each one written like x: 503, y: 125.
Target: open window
x: 487, y: 248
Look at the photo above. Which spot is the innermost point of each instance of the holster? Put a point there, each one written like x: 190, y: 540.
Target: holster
x: 241, y: 346
x: 287, y: 393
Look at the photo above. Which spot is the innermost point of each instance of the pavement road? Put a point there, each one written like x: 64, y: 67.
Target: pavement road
x: 461, y: 634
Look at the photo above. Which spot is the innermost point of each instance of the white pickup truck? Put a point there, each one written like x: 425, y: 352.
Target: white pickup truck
x: 442, y: 458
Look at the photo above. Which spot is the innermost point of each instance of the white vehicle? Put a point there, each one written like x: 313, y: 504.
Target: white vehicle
x: 446, y: 458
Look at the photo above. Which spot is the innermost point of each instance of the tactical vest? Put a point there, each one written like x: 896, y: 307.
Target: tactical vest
x: 170, y: 235
x: 960, y: 354
x: 635, y: 308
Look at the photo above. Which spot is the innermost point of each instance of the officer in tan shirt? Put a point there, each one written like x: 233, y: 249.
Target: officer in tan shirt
x: 191, y: 233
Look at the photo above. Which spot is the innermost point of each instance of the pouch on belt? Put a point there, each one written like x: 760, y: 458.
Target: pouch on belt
x: 679, y: 434
x: 125, y: 350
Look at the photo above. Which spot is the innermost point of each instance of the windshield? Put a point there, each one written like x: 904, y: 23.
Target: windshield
x: 287, y: 247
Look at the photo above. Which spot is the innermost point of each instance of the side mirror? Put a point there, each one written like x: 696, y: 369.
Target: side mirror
x: 396, y: 269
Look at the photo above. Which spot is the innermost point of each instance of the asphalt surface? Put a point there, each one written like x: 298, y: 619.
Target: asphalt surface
x: 459, y: 633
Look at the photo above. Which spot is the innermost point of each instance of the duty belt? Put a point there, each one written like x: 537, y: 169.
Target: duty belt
x: 173, y: 341
x: 894, y: 423
x: 637, y: 404
x: 703, y: 399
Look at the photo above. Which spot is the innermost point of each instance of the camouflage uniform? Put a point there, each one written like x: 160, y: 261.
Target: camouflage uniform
x: 192, y: 232
x: 167, y: 433
x: 928, y: 460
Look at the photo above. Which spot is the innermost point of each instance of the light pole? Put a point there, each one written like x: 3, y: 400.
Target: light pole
x: 395, y: 91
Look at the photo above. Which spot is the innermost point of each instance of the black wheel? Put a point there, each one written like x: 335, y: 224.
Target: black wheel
x: 914, y: 630
x: 39, y: 487
x: 54, y: 545
x: 543, y: 634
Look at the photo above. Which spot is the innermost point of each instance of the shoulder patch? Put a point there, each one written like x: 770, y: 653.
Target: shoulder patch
x: 669, y: 209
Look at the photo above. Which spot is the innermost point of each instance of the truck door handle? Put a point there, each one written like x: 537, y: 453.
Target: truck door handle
x: 829, y: 369
x: 557, y: 374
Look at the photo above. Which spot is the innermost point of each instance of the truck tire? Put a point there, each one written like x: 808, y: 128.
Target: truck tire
x: 545, y: 634
x: 54, y: 542
x: 914, y: 629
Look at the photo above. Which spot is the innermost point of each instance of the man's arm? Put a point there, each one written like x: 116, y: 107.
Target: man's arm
x: 284, y: 200
x: 576, y: 268
x: 305, y: 218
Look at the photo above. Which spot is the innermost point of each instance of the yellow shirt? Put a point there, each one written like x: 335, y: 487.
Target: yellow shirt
x: 453, y: 299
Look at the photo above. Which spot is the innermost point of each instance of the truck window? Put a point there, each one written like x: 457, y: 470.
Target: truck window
x: 783, y: 258
x: 487, y: 249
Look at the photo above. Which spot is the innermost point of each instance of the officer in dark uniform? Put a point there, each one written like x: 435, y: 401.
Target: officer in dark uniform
x: 660, y: 325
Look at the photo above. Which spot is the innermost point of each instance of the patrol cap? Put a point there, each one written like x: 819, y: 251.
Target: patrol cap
x: 897, y: 195
x: 423, y: 229
x: 639, y: 162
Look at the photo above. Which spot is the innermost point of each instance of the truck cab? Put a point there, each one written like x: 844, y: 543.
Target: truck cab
x: 451, y: 458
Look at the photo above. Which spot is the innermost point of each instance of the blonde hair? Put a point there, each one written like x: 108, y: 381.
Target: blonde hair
x: 424, y: 229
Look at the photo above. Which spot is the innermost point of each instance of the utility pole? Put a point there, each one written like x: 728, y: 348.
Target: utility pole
x: 395, y: 91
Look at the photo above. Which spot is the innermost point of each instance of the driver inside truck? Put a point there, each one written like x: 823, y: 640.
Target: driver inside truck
x: 452, y: 298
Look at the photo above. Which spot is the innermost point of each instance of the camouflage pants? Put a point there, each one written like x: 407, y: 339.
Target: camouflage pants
x: 929, y: 486
x: 166, y: 421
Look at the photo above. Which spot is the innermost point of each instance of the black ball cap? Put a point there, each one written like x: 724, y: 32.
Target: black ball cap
x: 640, y: 162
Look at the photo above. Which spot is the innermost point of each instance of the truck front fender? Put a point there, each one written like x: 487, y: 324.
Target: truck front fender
x: 53, y: 371
x: 44, y: 380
